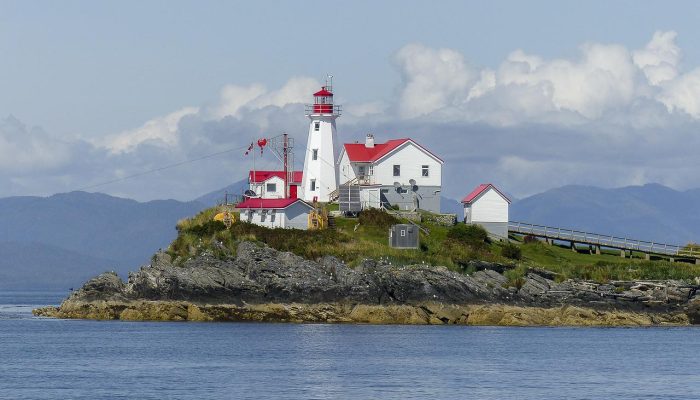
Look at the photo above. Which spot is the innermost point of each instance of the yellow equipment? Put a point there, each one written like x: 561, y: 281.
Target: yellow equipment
x: 318, y: 217
x: 227, y: 217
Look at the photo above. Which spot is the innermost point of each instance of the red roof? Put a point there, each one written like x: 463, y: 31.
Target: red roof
x: 268, y: 203
x: 323, y: 92
x: 358, y: 152
x: 262, y: 176
x: 481, y: 189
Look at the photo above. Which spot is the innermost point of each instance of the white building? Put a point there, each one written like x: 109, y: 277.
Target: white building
x: 275, y: 213
x: 487, y: 206
x: 320, y: 176
x: 270, y: 184
x: 398, y: 172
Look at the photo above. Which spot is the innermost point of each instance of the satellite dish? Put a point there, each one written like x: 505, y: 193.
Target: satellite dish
x: 250, y: 193
x: 397, y: 184
x: 412, y: 182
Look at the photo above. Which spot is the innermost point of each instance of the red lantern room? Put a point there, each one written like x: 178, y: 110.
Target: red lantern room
x: 323, y: 101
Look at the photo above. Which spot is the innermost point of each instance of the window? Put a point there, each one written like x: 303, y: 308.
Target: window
x: 403, y: 232
x: 397, y: 170
x: 426, y: 170
x: 271, y: 187
x: 314, y: 154
x: 313, y: 185
x: 371, y: 170
x: 361, y: 170
x: 317, y: 126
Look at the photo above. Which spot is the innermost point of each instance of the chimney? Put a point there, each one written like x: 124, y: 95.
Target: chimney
x: 369, y: 141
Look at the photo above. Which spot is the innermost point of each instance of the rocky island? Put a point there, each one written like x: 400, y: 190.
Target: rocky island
x: 260, y: 283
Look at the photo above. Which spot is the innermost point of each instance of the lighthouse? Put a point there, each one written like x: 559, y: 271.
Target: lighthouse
x: 320, y: 177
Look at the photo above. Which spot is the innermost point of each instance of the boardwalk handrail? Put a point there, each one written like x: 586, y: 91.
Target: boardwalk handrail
x: 601, y: 240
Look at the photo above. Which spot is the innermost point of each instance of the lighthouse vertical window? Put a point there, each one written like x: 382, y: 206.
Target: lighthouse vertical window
x: 313, y: 185
x: 397, y: 170
x: 317, y: 126
x: 426, y: 170
x: 314, y: 154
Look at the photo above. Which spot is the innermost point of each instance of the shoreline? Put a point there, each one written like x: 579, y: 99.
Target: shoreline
x: 338, y: 313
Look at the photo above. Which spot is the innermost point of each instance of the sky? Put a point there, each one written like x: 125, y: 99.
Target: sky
x: 527, y: 95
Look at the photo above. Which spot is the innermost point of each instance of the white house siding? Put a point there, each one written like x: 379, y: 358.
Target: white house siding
x: 261, y: 188
x: 489, y: 207
x: 345, y: 170
x: 370, y: 197
x: 268, y: 219
x: 297, y: 216
x: 411, y: 159
x: 489, y: 210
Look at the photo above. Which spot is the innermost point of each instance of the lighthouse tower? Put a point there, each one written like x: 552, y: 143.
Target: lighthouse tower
x: 320, y: 171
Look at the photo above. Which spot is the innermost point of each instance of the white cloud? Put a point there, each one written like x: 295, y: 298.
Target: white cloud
x: 26, y: 150
x: 659, y: 59
x: 161, y: 131
x: 433, y: 79
x: 683, y: 93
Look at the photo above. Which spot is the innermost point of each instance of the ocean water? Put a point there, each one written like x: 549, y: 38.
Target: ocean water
x: 69, y: 359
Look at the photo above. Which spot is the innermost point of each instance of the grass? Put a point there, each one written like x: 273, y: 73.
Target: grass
x: 356, y: 239
x: 604, y: 267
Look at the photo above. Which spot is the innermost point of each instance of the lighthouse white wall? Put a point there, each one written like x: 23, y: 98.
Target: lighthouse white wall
x: 323, y: 169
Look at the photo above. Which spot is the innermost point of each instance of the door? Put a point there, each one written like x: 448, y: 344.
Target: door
x: 293, y: 191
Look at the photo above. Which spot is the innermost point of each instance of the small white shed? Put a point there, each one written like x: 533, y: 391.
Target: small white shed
x: 487, y: 206
x: 276, y: 213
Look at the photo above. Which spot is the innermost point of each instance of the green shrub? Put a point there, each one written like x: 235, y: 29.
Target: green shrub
x: 377, y: 218
x: 527, y: 239
x: 516, y: 277
x: 512, y: 251
x: 471, y: 235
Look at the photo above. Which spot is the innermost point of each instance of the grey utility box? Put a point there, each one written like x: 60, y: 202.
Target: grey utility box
x: 404, y: 236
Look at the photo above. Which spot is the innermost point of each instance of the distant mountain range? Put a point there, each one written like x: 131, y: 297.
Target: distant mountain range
x: 59, y: 241
x: 651, y: 212
x: 43, y: 238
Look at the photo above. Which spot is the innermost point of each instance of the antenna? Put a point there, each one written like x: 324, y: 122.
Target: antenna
x: 397, y: 185
x: 412, y: 182
x: 329, y: 82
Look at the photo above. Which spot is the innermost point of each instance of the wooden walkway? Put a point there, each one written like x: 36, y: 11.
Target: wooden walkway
x: 549, y: 233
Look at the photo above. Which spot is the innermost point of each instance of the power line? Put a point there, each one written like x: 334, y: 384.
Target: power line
x: 158, y: 169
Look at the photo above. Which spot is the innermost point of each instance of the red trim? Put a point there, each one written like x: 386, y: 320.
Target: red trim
x: 323, y: 92
x: 269, y: 203
x: 358, y: 152
x: 481, y: 189
x: 262, y: 176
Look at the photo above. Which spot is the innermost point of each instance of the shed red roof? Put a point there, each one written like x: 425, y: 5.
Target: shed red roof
x: 323, y: 92
x: 268, y: 203
x: 358, y: 152
x: 481, y: 189
x: 262, y: 176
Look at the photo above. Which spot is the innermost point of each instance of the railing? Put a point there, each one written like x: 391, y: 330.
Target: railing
x: 361, y: 180
x: 321, y: 109
x: 601, y: 240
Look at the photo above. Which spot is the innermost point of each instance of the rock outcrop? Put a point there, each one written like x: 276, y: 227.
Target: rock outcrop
x: 263, y: 284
